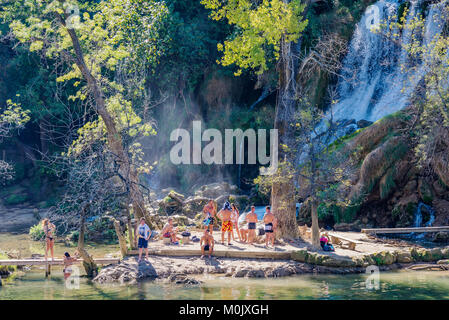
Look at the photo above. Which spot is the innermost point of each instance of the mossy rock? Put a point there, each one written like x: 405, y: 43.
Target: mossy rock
x: 427, y: 255
x: 339, y: 263
x: 360, y: 262
x: 368, y: 259
x: 445, y: 253
x: 404, y: 257
x: 300, y: 255
x: 384, y: 258
x: 436, y: 254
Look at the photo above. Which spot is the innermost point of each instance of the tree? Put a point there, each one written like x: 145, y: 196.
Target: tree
x: 268, y: 31
x: 429, y: 45
x: 13, y: 117
x: 107, y: 35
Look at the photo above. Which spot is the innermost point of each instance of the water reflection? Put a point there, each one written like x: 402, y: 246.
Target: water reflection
x: 393, y: 285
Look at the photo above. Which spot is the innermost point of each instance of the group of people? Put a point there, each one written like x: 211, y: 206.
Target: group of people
x: 229, y: 216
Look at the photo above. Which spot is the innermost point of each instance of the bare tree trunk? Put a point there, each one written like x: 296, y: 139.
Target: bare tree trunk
x: 121, y: 238
x: 114, y: 138
x: 315, y: 225
x: 284, y: 205
x: 88, y: 262
x: 283, y: 189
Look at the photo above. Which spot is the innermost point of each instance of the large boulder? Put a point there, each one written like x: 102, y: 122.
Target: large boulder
x: 194, y: 205
x: 215, y: 190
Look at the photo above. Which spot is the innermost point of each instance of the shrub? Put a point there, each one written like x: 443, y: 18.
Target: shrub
x: 16, y: 199
x: 37, y: 232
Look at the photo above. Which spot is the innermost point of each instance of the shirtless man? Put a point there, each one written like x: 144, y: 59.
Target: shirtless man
x: 251, y: 218
x: 207, y: 243
x: 225, y: 216
x: 209, y: 215
x: 270, y: 223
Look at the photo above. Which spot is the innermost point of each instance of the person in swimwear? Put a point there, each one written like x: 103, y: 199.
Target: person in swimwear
x: 169, y: 232
x: 244, y: 234
x: 68, y: 261
x: 226, y: 226
x: 207, y: 243
x: 270, y: 223
x: 49, y: 229
x: 209, y: 215
x: 251, y: 218
x: 235, y: 221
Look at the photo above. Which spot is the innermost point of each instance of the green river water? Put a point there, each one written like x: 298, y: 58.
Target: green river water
x: 392, y: 285
x: 402, y: 284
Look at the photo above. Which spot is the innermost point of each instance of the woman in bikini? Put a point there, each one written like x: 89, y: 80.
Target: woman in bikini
x: 68, y: 261
x: 235, y: 221
x: 49, y: 228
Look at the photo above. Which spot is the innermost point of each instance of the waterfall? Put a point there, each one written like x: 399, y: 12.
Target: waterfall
x: 419, y: 218
x: 373, y: 82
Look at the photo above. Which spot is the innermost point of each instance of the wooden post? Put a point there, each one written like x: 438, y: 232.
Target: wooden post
x: 47, y: 269
x: 131, y: 234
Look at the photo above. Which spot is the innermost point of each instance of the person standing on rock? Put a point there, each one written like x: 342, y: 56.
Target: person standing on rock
x: 251, y: 218
x: 143, y: 232
x: 209, y: 215
x: 235, y: 221
x: 207, y: 243
x: 49, y: 229
x: 270, y: 224
x: 226, y: 226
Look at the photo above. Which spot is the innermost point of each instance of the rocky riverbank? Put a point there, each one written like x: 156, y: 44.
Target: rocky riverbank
x: 178, y: 269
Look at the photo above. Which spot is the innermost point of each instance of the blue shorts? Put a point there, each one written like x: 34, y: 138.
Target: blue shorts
x: 142, y: 243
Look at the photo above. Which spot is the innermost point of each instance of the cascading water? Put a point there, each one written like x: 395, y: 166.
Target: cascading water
x: 419, y: 216
x: 419, y: 219
x: 373, y: 82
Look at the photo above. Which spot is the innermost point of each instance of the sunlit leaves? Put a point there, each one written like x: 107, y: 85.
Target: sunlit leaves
x: 260, y: 30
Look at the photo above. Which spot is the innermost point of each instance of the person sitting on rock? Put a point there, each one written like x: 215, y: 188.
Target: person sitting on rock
x: 251, y: 217
x: 226, y: 226
x: 207, y: 243
x: 169, y: 232
x: 209, y: 216
x: 325, y: 244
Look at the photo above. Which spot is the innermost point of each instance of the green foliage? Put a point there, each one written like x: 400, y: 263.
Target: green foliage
x: 16, y: 199
x: 260, y: 30
x: 403, y: 9
x: 37, y: 232
x: 388, y: 185
x: 6, y: 270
